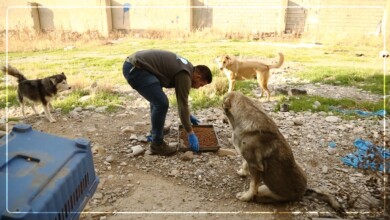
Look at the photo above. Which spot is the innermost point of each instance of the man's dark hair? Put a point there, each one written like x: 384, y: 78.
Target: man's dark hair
x: 205, y: 72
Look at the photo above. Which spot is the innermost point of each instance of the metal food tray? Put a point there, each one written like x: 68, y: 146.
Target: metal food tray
x: 183, y: 142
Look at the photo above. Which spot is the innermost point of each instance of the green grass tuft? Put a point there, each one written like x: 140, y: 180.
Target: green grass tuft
x: 365, y: 78
x: 335, y: 64
x: 11, y: 98
x: 102, y: 98
x: 305, y: 103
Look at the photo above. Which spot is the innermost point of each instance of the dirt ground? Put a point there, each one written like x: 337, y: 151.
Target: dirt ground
x: 203, y: 186
x: 141, y: 187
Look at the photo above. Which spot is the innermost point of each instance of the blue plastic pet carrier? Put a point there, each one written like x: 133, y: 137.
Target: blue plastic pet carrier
x: 44, y: 177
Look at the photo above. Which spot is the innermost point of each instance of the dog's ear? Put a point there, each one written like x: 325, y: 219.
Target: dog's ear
x: 53, y: 80
x: 63, y: 73
x: 228, y: 59
x: 226, y: 103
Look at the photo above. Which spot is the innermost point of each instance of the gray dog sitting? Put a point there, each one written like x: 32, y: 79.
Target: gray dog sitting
x: 267, y: 156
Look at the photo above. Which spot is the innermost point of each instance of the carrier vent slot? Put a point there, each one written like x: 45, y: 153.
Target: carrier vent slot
x: 73, y: 199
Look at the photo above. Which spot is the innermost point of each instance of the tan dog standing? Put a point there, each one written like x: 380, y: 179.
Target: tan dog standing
x: 267, y: 156
x: 236, y: 69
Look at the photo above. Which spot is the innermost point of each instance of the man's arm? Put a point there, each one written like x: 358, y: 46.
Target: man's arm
x: 182, y: 89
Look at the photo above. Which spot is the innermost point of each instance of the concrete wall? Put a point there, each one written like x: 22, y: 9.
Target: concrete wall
x: 298, y: 14
x: 386, y: 16
x: 353, y: 20
x: 335, y: 16
x: 244, y: 15
x: 307, y: 16
x: 151, y: 14
x: 58, y: 15
x: 18, y: 18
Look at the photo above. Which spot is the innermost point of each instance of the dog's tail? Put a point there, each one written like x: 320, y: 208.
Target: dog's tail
x: 279, y: 64
x: 13, y: 72
x: 331, y: 200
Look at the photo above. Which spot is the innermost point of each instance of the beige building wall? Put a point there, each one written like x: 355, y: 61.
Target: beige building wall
x: 120, y: 16
x: 152, y: 14
x: 244, y: 15
x: 299, y: 13
x: 313, y: 17
x: 18, y: 17
x: 386, y: 24
x: 58, y: 15
x: 346, y: 17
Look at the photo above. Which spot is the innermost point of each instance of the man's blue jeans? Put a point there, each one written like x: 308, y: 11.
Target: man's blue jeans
x: 148, y: 86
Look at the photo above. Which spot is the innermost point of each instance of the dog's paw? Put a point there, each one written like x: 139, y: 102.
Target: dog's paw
x: 242, y: 173
x: 244, y: 196
x: 239, y: 195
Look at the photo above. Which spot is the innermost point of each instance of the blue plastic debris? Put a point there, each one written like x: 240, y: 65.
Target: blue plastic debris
x: 368, y: 156
x: 381, y: 112
x: 332, y: 144
x: 126, y: 7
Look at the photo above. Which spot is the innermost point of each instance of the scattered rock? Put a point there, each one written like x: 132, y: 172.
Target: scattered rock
x: 297, y: 92
x: 133, y: 137
x: 173, y: 173
x: 85, y: 98
x: 332, y: 119
x: 97, y: 195
x: 110, y: 159
x: 101, y: 109
x: 128, y: 129
x: 282, y: 91
x: 284, y: 107
x: 97, y: 149
x: 187, y: 156
x: 299, y: 121
x: 90, y: 108
x: 226, y: 152
x: 207, y: 175
x: 316, y: 104
x: 137, y: 150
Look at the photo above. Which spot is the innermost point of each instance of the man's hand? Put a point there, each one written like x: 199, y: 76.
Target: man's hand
x: 193, y: 141
x: 194, y: 120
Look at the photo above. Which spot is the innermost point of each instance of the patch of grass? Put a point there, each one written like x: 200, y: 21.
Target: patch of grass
x: 94, y: 60
x: 69, y: 102
x: 172, y: 100
x: 100, y: 63
x: 365, y: 78
x: 246, y: 87
x: 200, y: 100
x: 109, y: 99
x: 12, y: 95
x: 101, y: 98
x: 305, y: 103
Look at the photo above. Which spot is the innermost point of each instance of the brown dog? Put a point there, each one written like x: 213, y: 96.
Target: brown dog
x: 236, y: 69
x: 267, y: 155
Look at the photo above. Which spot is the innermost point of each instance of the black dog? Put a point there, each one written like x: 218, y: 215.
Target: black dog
x: 38, y: 90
